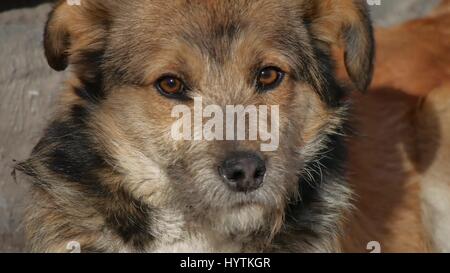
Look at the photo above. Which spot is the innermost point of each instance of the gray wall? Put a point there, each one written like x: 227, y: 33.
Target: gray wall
x: 28, y: 88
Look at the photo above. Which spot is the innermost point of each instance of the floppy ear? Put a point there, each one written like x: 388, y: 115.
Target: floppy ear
x: 72, y: 28
x: 345, y: 23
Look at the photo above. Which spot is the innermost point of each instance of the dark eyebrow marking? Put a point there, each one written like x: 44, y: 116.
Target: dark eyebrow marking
x: 215, y: 39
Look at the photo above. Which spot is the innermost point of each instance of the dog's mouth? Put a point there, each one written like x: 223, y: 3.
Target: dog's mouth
x: 246, y: 202
x: 235, y: 199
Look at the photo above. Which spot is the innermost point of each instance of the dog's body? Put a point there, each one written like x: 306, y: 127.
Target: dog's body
x: 94, y: 170
x: 400, y: 155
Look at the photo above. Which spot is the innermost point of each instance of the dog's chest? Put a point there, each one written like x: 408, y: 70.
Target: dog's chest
x: 198, y: 243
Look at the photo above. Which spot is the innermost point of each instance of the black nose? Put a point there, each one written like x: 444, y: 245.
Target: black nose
x: 243, y: 172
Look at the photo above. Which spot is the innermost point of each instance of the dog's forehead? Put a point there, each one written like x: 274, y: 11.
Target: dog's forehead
x: 192, y: 37
x: 215, y: 10
x: 200, y: 21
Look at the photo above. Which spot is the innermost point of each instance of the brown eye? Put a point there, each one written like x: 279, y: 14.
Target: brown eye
x: 269, y: 78
x: 170, y: 86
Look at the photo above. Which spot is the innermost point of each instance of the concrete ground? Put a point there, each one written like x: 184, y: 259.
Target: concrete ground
x: 28, y: 88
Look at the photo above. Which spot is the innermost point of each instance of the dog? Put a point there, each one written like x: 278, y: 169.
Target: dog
x: 399, y: 155
x: 108, y: 175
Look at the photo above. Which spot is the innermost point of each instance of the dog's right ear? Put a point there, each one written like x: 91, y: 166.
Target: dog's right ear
x: 74, y: 26
x: 347, y: 24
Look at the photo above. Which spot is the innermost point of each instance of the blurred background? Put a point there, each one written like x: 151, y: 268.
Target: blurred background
x: 28, y: 89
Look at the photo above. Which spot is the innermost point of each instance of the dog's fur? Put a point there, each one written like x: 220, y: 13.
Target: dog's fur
x: 93, y: 172
x: 434, y: 135
x: 399, y: 158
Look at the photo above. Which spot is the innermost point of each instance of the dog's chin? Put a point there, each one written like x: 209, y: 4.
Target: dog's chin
x: 240, y: 200
x: 255, y: 212
x: 240, y: 220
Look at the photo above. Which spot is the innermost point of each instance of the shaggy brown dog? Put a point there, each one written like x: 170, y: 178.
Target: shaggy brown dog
x: 109, y: 175
x: 399, y: 161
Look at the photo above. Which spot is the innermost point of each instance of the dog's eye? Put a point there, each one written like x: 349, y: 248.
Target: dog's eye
x: 269, y: 78
x: 170, y: 86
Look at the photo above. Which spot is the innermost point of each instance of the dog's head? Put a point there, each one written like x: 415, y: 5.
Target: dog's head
x: 143, y: 69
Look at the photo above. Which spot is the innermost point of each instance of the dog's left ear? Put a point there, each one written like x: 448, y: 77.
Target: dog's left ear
x: 345, y: 23
x: 72, y: 30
